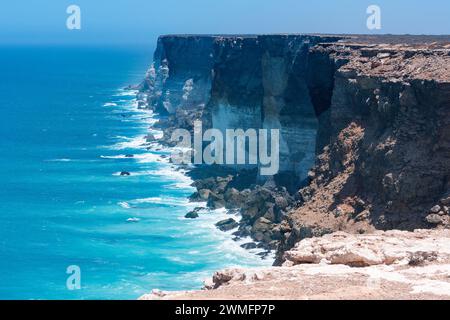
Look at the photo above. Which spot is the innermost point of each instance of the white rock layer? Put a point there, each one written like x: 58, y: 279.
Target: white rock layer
x: 382, y: 265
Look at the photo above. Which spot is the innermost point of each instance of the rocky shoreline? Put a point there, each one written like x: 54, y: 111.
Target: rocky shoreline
x: 262, y: 207
x: 364, y: 146
x: 262, y: 204
x: 376, y: 101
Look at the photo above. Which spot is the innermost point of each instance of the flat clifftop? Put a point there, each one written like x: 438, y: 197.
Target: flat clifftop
x: 383, y: 265
x: 360, y: 38
x: 403, y: 61
x: 424, y: 57
x: 431, y: 41
x: 405, y: 39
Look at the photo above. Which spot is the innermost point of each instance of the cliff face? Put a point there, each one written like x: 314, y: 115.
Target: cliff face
x: 242, y: 82
x: 180, y: 76
x: 260, y: 82
x: 287, y: 104
x: 236, y: 89
x: 384, y: 156
x: 365, y: 125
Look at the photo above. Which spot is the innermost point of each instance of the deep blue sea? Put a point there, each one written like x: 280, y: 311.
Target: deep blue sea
x: 66, y: 126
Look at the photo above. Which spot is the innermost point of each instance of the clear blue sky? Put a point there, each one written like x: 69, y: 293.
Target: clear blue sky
x: 141, y: 21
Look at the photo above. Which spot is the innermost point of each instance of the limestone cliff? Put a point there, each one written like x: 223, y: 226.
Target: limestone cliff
x: 180, y: 76
x: 242, y: 82
x: 383, y: 159
x: 364, y: 122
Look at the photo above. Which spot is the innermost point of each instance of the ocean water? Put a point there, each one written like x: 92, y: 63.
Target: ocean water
x: 66, y: 127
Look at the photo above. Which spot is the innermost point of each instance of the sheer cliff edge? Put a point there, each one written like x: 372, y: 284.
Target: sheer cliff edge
x: 364, y: 128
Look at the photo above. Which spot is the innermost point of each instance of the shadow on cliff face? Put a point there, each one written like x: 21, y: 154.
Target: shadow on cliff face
x: 378, y: 114
x: 383, y: 151
x: 404, y: 165
x: 384, y: 156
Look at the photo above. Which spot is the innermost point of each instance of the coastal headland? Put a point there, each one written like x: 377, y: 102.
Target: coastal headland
x: 364, y: 147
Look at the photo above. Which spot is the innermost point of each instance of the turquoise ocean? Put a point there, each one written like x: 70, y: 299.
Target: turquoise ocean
x: 67, y: 130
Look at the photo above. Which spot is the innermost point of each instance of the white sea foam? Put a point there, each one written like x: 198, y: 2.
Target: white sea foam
x: 180, y: 185
x: 126, y: 93
x: 157, y: 133
x: 149, y: 158
x: 141, y: 173
x: 172, y: 201
x: 123, y: 138
x: 140, y: 158
x: 133, y: 143
x: 110, y: 104
x: 59, y: 160
x: 119, y: 156
x: 170, y: 173
x: 71, y: 160
x: 203, y: 228
x: 124, y: 205
x: 177, y: 178
x: 181, y: 260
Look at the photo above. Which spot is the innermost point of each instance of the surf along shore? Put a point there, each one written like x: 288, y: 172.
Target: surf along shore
x: 331, y: 177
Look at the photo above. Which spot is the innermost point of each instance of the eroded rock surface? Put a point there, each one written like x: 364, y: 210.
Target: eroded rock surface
x: 364, y: 122
x: 386, y: 248
x: 383, y: 157
x: 383, y: 265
